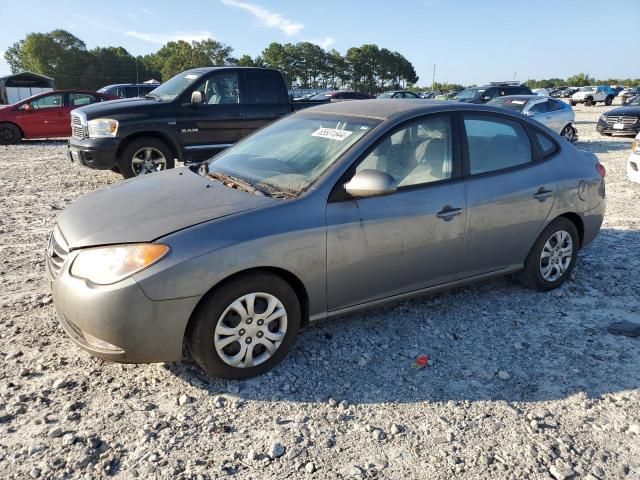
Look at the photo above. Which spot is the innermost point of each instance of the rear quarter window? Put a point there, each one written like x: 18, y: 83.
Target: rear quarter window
x: 547, y: 146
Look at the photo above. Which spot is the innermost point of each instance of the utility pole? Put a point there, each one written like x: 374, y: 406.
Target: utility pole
x: 515, y: 74
x: 433, y: 79
x: 137, y: 79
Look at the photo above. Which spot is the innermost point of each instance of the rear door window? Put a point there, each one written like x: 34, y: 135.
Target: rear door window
x: 80, y: 99
x: 264, y: 87
x: 131, y: 92
x: 538, y: 108
x: 495, y: 143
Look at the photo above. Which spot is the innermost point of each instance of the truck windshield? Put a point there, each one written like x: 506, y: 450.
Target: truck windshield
x: 288, y: 156
x: 587, y: 89
x: 175, y: 86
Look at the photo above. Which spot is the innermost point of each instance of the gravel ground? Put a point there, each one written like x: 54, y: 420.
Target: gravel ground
x: 520, y: 384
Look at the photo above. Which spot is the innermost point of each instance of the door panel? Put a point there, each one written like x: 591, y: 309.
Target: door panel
x: 510, y: 198
x: 217, y: 122
x: 49, y: 117
x: 383, y: 246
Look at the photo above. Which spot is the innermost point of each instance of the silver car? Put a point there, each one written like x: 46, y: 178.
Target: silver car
x: 554, y: 113
x: 326, y: 212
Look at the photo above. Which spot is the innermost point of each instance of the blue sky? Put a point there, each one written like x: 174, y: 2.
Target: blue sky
x: 470, y: 42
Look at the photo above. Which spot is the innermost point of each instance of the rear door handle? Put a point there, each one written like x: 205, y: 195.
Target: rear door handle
x: 542, y: 194
x: 448, y: 212
x: 235, y: 114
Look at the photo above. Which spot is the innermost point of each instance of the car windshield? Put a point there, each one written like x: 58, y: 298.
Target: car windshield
x: 321, y: 96
x: 587, y: 89
x: 174, y: 86
x: 635, y: 102
x: 514, y: 104
x: 288, y: 156
x: 469, y: 93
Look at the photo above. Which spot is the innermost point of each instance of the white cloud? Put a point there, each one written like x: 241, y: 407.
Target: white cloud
x: 162, y: 38
x: 267, y: 17
x: 325, y: 42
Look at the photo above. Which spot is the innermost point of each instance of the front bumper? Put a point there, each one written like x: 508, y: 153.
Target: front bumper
x: 605, y: 128
x: 98, y: 153
x: 119, y: 322
x: 633, y: 167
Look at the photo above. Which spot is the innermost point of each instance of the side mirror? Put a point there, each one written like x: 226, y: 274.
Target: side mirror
x: 196, y: 97
x: 26, y: 107
x: 529, y: 113
x: 370, y: 183
x: 486, y: 98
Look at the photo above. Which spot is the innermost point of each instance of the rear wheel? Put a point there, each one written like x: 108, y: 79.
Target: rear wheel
x: 588, y: 101
x: 569, y: 133
x: 608, y: 100
x: 9, y: 134
x: 245, y: 327
x: 145, y: 155
x: 573, y: 104
x: 552, y: 257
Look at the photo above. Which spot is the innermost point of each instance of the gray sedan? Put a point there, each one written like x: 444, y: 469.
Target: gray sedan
x: 554, y: 113
x: 328, y: 211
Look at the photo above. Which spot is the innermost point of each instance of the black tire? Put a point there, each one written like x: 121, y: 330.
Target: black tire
x: 573, y: 104
x: 589, y: 101
x: 126, y: 157
x: 608, y: 100
x: 9, y: 134
x: 201, y: 331
x: 531, y: 276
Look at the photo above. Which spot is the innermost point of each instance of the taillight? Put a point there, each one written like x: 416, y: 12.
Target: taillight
x: 601, y: 170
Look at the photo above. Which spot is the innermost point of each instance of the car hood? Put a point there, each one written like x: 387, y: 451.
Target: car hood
x: 632, y: 111
x: 120, y: 107
x: 147, y: 208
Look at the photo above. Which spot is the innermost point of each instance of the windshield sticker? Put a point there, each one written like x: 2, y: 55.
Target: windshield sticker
x: 191, y: 76
x: 332, y: 134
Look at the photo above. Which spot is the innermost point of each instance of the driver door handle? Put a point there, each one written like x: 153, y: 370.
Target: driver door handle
x: 542, y: 194
x: 448, y: 212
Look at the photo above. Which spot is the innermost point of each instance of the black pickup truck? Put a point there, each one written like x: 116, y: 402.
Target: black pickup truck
x: 190, y: 117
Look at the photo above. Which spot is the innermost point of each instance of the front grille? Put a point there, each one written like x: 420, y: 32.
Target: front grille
x: 77, y: 128
x: 57, y: 252
x: 624, y: 120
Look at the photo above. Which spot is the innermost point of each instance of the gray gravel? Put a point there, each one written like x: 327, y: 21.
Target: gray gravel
x: 519, y: 384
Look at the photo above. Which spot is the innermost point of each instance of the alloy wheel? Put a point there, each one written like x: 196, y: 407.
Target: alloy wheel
x: 148, y: 160
x: 250, y: 330
x: 556, y: 256
x: 568, y: 132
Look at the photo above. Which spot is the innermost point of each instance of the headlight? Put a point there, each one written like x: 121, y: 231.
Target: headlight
x: 106, y: 265
x: 102, y: 128
x: 603, y: 118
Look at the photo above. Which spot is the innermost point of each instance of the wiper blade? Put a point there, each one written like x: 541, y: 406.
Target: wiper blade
x: 234, y: 182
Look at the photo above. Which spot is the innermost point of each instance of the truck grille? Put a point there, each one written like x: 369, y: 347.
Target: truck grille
x: 57, y: 252
x: 624, y: 120
x: 77, y: 128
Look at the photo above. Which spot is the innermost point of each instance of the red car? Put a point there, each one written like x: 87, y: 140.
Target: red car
x: 45, y: 115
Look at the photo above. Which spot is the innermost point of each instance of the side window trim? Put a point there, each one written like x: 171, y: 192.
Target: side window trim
x: 533, y: 145
x: 337, y: 192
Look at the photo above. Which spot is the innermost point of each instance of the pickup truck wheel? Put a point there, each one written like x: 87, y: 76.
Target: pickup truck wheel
x: 608, y: 100
x: 9, y: 134
x: 145, y: 155
x: 573, y: 104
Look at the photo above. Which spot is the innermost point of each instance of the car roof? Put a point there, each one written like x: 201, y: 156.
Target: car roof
x: 203, y: 70
x: 385, y: 109
x: 523, y: 97
x: 129, y: 85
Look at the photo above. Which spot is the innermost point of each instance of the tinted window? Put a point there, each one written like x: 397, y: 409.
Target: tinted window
x: 145, y: 90
x: 538, y: 108
x: 556, y: 105
x: 131, y: 92
x: 79, y: 99
x: 410, y: 95
x: 264, y: 87
x: 495, y: 144
x: 50, y: 101
x: 547, y: 147
x: 419, y: 153
x: 219, y: 89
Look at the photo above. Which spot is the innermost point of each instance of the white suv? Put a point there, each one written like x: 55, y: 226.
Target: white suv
x: 592, y: 95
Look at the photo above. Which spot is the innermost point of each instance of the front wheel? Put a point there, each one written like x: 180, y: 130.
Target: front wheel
x: 568, y: 132
x: 145, y: 155
x: 552, y: 257
x: 9, y: 134
x: 245, y: 327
